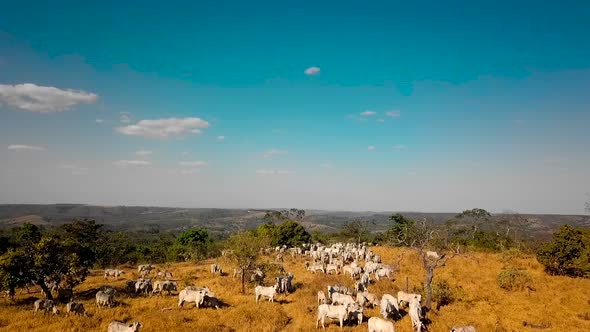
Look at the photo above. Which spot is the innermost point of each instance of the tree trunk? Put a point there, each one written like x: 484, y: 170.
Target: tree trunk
x: 428, y: 286
x: 46, y: 290
x: 243, y: 281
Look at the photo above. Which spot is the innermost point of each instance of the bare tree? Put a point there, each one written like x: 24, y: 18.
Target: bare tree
x: 419, y: 236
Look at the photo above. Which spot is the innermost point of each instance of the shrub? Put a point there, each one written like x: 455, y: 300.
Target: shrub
x: 442, y: 293
x: 568, y: 253
x: 512, y: 279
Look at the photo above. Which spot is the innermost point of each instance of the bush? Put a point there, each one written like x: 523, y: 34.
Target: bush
x: 442, y: 293
x: 568, y: 253
x: 512, y: 279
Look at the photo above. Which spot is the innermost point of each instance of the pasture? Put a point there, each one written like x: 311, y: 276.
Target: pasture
x: 554, y: 303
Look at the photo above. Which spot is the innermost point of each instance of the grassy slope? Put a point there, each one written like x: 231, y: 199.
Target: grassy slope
x: 557, y: 301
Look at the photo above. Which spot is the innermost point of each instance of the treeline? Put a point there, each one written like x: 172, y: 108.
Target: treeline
x: 64, y: 255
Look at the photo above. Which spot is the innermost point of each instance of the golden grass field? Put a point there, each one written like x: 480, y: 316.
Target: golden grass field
x: 561, y: 302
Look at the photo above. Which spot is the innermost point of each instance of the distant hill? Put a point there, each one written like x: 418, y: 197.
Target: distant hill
x: 136, y: 218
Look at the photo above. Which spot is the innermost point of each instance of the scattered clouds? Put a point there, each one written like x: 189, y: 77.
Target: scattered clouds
x: 125, y: 117
x: 184, y: 154
x: 194, y: 163
x: 393, y: 114
x: 368, y: 113
x: 131, y: 163
x: 274, y: 172
x: 144, y: 153
x: 75, y: 169
x: 312, y: 71
x: 380, y: 120
x: 371, y: 148
x: 99, y: 120
x: 274, y: 152
x: 22, y: 147
x: 43, y: 99
x: 399, y: 147
x: 220, y: 138
x: 519, y: 121
x: 164, y: 128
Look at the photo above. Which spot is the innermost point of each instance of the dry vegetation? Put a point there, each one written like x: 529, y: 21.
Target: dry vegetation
x: 559, y: 303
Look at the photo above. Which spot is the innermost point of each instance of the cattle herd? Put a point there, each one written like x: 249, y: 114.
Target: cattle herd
x: 338, y: 302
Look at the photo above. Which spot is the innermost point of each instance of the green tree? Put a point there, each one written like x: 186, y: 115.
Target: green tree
x: 401, y: 230
x: 291, y: 234
x: 244, y: 251
x: 194, y: 244
x: 568, y: 253
x: 63, y: 256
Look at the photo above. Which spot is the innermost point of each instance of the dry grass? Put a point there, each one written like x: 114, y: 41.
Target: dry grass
x: 558, y: 302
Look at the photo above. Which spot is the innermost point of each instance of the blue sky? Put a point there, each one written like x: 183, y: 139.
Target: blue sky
x: 378, y: 105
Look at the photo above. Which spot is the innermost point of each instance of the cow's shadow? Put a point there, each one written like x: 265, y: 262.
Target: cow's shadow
x: 283, y: 301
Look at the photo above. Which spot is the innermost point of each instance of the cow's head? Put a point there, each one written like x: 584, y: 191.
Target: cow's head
x: 135, y: 326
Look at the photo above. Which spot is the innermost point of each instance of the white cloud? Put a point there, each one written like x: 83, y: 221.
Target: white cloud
x: 99, y: 120
x: 327, y: 165
x: 195, y: 163
x: 519, y: 121
x: 126, y: 163
x: 399, y: 147
x: 381, y: 120
x: 393, y: 114
x: 143, y: 153
x: 371, y: 148
x: 125, y: 117
x: 368, y: 113
x: 274, y: 172
x: 184, y: 154
x: 43, y: 99
x: 22, y: 147
x: 163, y: 128
x: 312, y: 71
x: 274, y: 152
x: 220, y: 138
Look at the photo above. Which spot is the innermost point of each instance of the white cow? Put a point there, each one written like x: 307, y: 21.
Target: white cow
x: 339, y: 312
x: 321, y: 297
x: 416, y: 314
x: 355, y: 311
x: 168, y: 286
x: 113, y: 273
x: 316, y: 267
x: 46, y: 306
x: 391, y: 299
x: 463, y: 329
x: 143, y: 286
x: 115, y: 326
x: 75, y: 307
x: 384, y: 272
x: 377, y: 324
x: 432, y: 255
x: 338, y: 298
x: 269, y: 292
x: 145, y: 269
x: 104, y: 299
x: 372, y: 299
x: 191, y: 295
x: 332, y: 267
x: 407, y: 297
